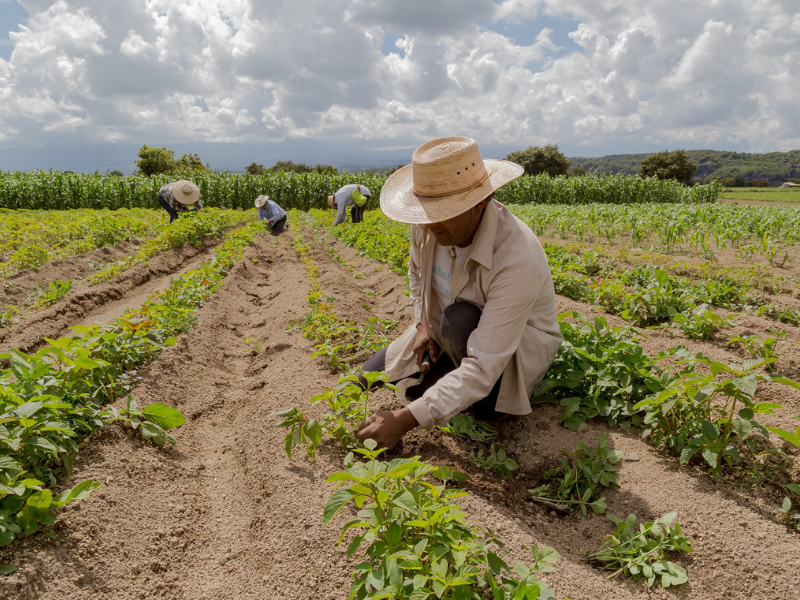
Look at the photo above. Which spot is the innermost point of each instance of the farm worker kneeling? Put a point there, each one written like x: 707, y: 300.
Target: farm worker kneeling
x: 179, y: 197
x: 269, y: 211
x: 481, y: 289
x: 355, y: 195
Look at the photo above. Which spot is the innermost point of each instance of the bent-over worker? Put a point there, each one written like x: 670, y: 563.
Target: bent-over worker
x: 483, y: 296
x: 179, y: 197
x: 269, y: 211
x: 353, y: 194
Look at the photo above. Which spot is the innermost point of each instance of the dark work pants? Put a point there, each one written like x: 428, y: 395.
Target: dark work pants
x: 356, y: 213
x: 172, y: 214
x: 279, y: 226
x: 456, y: 324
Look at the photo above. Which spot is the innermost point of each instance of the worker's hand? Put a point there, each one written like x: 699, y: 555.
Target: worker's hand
x: 387, y: 428
x: 425, y: 343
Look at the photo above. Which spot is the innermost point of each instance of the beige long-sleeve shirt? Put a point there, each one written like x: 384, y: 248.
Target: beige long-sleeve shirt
x: 507, y: 275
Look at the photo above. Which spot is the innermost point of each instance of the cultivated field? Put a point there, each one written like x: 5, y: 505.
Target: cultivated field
x: 762, y: 194
x: 231, y: 326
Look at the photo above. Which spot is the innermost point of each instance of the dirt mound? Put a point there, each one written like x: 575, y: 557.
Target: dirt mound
x: 225, y: 515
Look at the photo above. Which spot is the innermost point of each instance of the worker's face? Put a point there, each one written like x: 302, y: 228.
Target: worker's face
x: 459, y: 229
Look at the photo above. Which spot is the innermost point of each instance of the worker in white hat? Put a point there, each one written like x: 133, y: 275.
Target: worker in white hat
x: 483, y: 295
x: 355, y: 195
x: 269, y: 211
x: 179, y: 197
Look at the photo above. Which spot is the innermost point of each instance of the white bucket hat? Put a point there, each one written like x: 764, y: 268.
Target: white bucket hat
x: 185, y: 192
x: 261, y: 201
x: 446, y: 178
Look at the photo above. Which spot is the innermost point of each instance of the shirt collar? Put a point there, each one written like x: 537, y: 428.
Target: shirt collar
x: 483, y: 243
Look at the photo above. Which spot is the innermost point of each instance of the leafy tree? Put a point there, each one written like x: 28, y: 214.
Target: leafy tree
x: 538, y: 160
x: 153, y: 161
x: 255, y: 169
x: 117, y: 174
x: 289, y: 166
x: 325, y: 170
x: 668, y: 165
x: 577, y: 171
x: 191, y: 163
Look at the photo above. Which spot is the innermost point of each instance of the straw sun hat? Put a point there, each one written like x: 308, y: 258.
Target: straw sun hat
x: 261, y: 201
x: 330, y: 201
x: 185, y: 192
x: 446, y: 178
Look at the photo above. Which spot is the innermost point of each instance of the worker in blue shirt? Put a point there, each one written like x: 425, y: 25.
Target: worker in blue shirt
x: 273, y: 214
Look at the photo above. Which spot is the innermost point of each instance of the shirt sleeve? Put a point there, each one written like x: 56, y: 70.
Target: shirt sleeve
x: 489, y: 348
x: 341, y: 211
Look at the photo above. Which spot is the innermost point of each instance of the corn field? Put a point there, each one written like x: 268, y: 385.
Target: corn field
x: 58, y: 190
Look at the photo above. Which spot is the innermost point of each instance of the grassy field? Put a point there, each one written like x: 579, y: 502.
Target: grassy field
x: 763, y: 194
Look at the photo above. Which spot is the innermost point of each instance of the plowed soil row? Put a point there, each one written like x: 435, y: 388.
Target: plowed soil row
x: 225, y: 515
x: 85, y: 304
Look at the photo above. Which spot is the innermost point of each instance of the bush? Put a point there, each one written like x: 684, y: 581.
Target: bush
x: 537, y: 160
x: 668, y: 165
x: 758, y: 183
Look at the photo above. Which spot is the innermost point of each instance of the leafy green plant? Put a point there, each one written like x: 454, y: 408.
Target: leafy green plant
x: 704, y: 413
x: 496, y: 461
x: 8, y: 315
x: 348, y: 406
x: 752, y: 346
x: 701, y: 323
x: 578, y: 476
x: 792, y: 519
x: 255, y: 346
x: 55, y: 290
x: 419, y: 545
x: 599, y: 371
x: 466, y: 427
x: 642, y: 554
x: 153, y: 421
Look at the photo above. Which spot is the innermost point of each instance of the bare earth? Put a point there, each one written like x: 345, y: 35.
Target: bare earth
x: 225, y: 515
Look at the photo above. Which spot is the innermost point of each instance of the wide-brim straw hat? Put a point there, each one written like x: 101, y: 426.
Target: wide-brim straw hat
x: 261, y: 201
x: 446, y: 178
x: 330, y: 201
x: 185, y: 192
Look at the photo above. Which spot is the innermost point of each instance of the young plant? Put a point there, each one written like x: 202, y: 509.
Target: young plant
x: 698, y: 413
x: 599, y: 371
x: 752, y: 346
x: 792, y: 519
x: 153, y: 421
x: 255, y: 346
x: 701, y: 323
x: 55, y: 290
x: 466, y: 427
x: 419, y: 545
x: 8, y: 315
x: 577, y: 478
x: 348, y: 406
x: 642, y: 553
x: 496, y: 461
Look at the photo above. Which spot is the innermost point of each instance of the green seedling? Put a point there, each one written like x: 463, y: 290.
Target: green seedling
x: 701, y: 323
x: 418, y: 545
x: 348, y: 407
x: 466, y: 427
x: 752, y: 346
x: 55, y: 290
x: 8, y: 316
x: 153, y: 421
x: 255, y: 346
x: 577, y: 479
x: 642, y: 554
x: 496, y: 461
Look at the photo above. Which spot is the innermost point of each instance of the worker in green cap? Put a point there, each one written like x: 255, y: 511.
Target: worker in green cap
x: 355, y: 195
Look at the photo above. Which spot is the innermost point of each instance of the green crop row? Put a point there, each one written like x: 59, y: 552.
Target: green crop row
x: 188, y: 229
x: 30, y: 238
x: 695, y: 225
x: 52, y: 399
x: 59, y: 190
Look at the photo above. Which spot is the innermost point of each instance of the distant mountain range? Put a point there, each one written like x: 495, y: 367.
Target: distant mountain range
x: 775, y: 167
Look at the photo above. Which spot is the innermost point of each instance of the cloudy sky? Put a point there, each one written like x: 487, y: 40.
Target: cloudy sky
x: 594, y: 76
